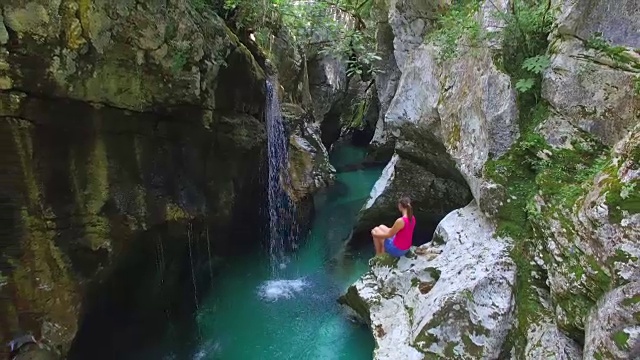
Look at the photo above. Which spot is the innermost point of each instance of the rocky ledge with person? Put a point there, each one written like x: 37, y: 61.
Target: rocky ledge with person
x: 455, y: 292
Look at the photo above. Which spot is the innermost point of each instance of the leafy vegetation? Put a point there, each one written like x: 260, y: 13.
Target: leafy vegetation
x: 619, y: 54
x: 340, y: 28
x: 457, y: 29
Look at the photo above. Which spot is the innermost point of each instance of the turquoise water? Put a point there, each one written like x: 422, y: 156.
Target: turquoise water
x: 251, y: 315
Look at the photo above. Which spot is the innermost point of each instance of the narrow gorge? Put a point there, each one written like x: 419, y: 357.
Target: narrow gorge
x: 198, y: 179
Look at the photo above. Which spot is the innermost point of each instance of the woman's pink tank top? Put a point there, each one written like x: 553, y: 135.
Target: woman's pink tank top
x: 404, y: 237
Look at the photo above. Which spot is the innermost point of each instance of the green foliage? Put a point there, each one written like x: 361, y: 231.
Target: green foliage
x: 525, y: 44
x: 180, y: 57
x: 457, y: 28
x: 524, y: 85
x: 338, y: 28
x: 621, y: 339
x: 536, y: 66
x: 615, y: 52
x: 359, y: 110
x: 561, y: 176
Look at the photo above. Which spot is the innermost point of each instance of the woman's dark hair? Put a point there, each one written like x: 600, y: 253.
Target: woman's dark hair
x: 405, y: 202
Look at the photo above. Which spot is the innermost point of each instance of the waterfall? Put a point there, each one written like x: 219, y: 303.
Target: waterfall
x: 210, y: 261
x: 281, y: 209
x: 193, y: 274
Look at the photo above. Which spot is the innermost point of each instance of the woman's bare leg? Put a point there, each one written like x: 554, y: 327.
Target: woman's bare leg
x: 379, y: 234
x: 381, y: 242
x: 376, y: 243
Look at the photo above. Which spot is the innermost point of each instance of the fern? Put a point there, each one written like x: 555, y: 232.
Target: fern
x: 537, y: 64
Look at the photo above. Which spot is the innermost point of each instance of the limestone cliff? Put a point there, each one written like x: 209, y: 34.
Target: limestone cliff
x: 553, y: 169
x: 132, y: 139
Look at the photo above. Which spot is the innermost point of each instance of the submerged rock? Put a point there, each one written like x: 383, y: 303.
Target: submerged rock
x: 452, y: 298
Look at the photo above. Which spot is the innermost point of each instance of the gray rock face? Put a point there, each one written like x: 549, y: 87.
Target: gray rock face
x: 618, y: 21
x: 473, y: 113
x: 593, y: 244
x: 544, y: 340
x: 387, y: 80
x: 418, y: 93
x: 478, y: 117
x: 586, y: 87
x: 452, y: 300
x: 292, y: 70
x: 410, y: 21
x: 613, y: 330
x: 327, y: 83
x: 590, y: 95
x: 309, y: 164
x: 588, y: 243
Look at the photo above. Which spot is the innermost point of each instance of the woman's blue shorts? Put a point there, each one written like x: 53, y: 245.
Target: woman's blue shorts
x: 391, y: 249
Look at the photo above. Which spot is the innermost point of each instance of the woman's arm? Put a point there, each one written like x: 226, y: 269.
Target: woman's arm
x: 397, y: 226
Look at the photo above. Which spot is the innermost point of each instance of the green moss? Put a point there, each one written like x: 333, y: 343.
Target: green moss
x: 599, y: 279
x: 355, y: 302
x: 174, y: 212
x: 619, y: 54
x: 415, y: 282
x: 471, y: 347
x: 410, y: 313
x: 621, y: 339
x: 24, y: 149
x: 434, y: 273
x: 561, y: 177
x: 632, y: 300
x: 621, y: 197
x: 454, y: 136
x: 117, y: 81
x: 88, y: 169
x: 384, y: 260
x: 576, y: 307
x: 450, y: 350
x: 355, y: 120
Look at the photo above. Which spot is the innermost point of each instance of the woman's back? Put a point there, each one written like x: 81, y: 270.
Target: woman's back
x: 404, y: 238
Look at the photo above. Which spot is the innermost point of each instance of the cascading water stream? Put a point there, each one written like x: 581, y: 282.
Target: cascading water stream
x: 281, y: 210
x: 193, y: 274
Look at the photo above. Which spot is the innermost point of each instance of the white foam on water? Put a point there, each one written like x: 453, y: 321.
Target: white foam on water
x: 274, y: 290
x: 208, y: 348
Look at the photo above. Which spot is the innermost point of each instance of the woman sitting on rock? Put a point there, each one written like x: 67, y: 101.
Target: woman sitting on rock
x: 397, y: 240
